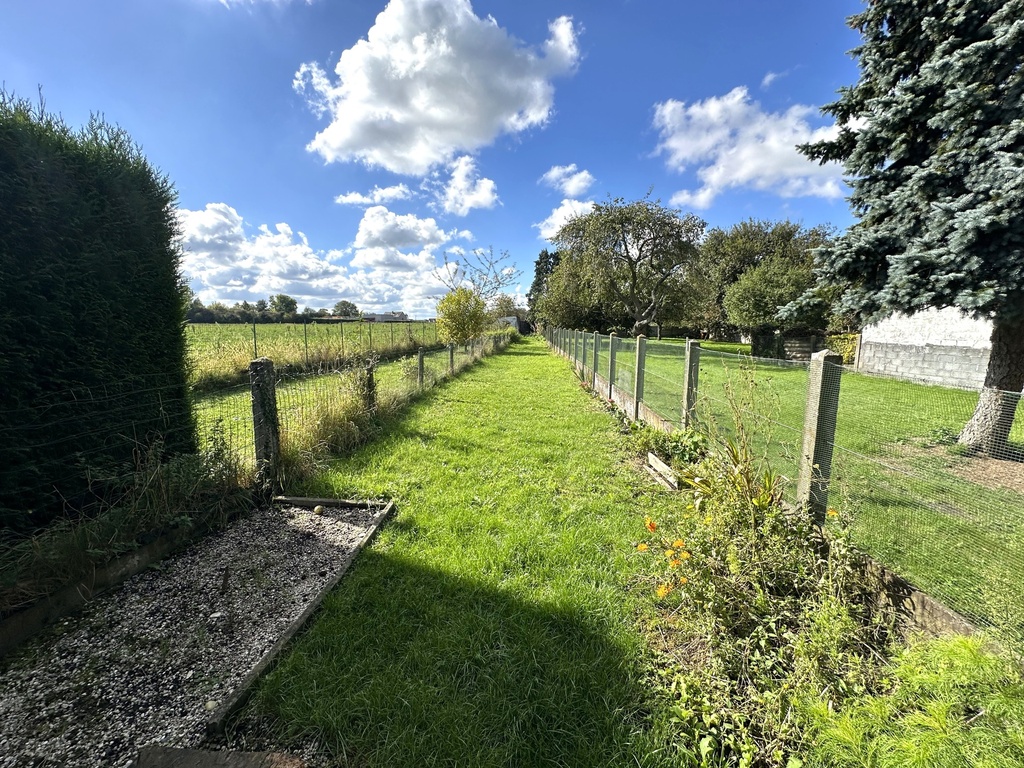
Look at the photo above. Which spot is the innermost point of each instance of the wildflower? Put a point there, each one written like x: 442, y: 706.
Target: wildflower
x: 683, y: 580
x: 833, y: 512
x: 674, y: 563
x: 708, y: 520
x: 651, y: 525
x: 684, y: 555
x: 662, y: 590
x: 669, y: 553
x: 678, y: 544
x: 641, y: 547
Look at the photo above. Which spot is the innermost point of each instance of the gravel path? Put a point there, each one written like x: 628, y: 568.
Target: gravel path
x: 145, y: 663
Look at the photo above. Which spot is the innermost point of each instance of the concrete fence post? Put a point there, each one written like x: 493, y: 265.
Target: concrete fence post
x: 690, y: 382
x: 597, y: 346
x: 451, y: 359
x: 823, y: 378
x: 265, y: 425
x: 638, y: 375
x: 419, y: 368
x: 583, y: 339
x: 612, y: 338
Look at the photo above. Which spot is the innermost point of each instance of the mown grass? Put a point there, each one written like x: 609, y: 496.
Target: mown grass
x: 912, y: 500
x: 491, y: 623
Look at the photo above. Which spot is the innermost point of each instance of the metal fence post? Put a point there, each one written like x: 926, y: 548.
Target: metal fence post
x: 612, y: 338
x: 419, y: 367
x: 690, y: 382
x: 265, y: 426
x: 638, y: 386
x: 823, y: 378
x: 597, y: 345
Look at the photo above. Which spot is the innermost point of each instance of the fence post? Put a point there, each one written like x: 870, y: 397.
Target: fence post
x: 690, y: 382
x: 369, y: 389
x: 451, y: 359
x: 597, y: 345
x: 612, y: 338
x: 419, y: 368
x: 638, y: 385
x: 266, y: 428
x: 583, y: 371
x: 823, y: 377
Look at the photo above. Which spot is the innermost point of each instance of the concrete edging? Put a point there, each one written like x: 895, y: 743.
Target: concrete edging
x: 215, y: 725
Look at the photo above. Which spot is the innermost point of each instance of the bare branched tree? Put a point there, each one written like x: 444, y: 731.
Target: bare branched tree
x: 479, y: 270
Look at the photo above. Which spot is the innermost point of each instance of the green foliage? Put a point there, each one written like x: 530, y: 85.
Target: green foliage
x: 630, y: 253
x: 345, y: 309
x: 542, y: 269
x: 930, y: 137
x: 284, y: 304
x: 946, y: 703
x: 461, y: 316
x: 679, y: 448
x: 844, y: 344
x: 93, y: 364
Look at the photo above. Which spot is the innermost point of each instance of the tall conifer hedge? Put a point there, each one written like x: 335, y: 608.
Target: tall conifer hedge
x: 92, y: 345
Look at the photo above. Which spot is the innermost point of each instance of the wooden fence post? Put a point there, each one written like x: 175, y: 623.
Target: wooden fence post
x: 597, y: 346
x: 266, y: 428
x: 823, y: 378
x: 638, y: 375
x: 451, y: 359
x: 690, y: 382
x: 419, y: 368
x: 369, y: 389
x: 612, y: 338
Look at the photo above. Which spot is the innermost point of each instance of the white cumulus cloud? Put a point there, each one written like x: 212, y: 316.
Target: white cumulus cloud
x: 568, y: 180
x: 375, y: 196
x: 431, y: 80
x: 735, y: 144
x: 568, y: 209
x: 465, y: 190
x: 391, y: 264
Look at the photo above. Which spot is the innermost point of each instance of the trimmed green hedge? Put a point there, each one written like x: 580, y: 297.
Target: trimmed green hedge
x: 92, y: 345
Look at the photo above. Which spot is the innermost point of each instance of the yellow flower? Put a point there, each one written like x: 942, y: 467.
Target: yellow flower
x: 673, y: 563
x: 678, y: 543
x: 651, y: 525
x: 683, y: 580
x: 833, y: 513
x: 669, y: 553
x: 662, y: 590
x: 641, y: 547
x: 708, y: 520
x: 684, y: 555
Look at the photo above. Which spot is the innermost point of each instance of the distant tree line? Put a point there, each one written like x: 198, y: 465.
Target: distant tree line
x: 279, y: 308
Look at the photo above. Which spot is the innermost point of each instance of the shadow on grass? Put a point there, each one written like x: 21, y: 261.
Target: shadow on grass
x: 407, y: 665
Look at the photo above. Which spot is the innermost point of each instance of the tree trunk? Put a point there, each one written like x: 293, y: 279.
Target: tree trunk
x: 989, y: 427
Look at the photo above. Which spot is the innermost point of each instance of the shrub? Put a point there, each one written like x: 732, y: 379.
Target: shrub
x: 844, y: 344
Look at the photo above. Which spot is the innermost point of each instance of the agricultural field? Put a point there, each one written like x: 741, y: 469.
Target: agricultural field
x: 220, y: 353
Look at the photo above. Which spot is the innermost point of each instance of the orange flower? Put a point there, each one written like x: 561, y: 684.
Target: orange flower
x: 641, y: 547
x: 682, y: 579
x: 651, y: 525
x: 673, y: 563
x: 662, y: 590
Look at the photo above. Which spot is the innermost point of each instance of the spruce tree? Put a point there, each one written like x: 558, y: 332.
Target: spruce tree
x: 932, y: 141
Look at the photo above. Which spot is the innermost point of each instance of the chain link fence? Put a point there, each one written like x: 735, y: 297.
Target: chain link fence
x: 888, y: 462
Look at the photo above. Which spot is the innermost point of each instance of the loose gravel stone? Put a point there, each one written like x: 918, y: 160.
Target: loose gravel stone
x: 143, y: 665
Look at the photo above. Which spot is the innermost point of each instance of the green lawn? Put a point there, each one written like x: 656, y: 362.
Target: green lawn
x: 492, y: 622
x: 912, y: 501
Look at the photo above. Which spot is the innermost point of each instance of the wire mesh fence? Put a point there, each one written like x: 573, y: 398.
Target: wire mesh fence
x: 906, y: 474
x: 109, y: 508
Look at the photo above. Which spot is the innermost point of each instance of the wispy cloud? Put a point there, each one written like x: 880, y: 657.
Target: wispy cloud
x: 734, y: 144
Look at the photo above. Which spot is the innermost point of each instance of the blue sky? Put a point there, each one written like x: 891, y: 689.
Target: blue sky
x: 337, y: 149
